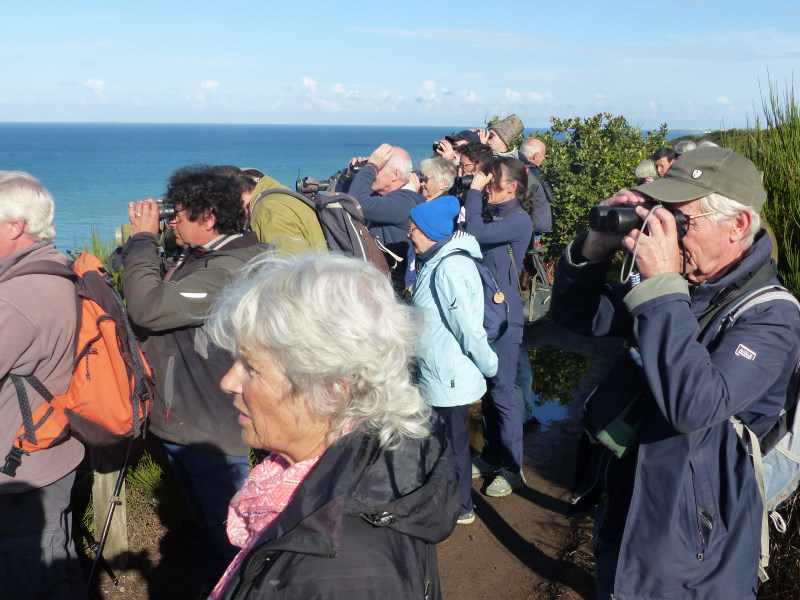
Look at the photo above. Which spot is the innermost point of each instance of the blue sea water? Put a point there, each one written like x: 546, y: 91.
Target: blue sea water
x: 94, y: 169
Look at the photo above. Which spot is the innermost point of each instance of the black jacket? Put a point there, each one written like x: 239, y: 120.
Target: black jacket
x: 363, y: 524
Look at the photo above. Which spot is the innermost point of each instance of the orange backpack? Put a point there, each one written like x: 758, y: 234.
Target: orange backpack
x: 108, y: 399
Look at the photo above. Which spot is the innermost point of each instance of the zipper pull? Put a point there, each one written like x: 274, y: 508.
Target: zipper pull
x: 88, y: 352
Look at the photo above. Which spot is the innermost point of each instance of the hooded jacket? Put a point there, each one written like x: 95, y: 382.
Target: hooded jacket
x: 362, y: 524
x: 291, y: 226
x: 189, y: 408
x: 454, y: 356
x: 693, y: 522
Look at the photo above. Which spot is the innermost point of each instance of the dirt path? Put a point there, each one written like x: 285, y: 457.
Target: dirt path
x: 523, y: 546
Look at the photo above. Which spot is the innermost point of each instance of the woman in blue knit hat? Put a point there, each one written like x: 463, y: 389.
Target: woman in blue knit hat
x: 454, y: 356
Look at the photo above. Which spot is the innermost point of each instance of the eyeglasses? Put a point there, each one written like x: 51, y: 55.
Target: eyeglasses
x: 687, y: 220
x: 495, y: 183
x: 464, y: 166
x: 412, y: 229
x: 176, y: 217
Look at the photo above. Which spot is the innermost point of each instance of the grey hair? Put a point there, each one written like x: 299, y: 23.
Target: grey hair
x: 23, y: 198
x: 334, y: 328
x: 685, y: 146
x: 439, y: 169
x: 707, y: 144
x: 646, y: 168
x: 726, y: 208
x: 401, y: 161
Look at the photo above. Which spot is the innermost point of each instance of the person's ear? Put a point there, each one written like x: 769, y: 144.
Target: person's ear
x: 740, y: 226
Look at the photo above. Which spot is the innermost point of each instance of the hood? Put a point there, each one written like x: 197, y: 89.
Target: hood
x: 460, y: 241
x: 266, y: 183
x: 411, y: 489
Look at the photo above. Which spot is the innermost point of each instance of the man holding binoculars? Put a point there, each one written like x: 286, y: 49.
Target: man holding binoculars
x: 680, y: 510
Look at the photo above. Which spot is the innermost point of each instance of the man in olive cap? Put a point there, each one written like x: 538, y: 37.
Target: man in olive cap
x: 501, y: 135
x: 680, y: 513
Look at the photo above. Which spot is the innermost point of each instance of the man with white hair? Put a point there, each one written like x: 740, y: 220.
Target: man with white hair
x: 387, y: 173
x: 38, y: 318
x: 680, y: 513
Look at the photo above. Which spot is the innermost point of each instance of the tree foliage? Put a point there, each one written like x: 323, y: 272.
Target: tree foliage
x: 588, y: 160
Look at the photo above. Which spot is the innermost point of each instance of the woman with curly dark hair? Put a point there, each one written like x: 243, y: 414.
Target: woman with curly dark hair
x: 503, y: 230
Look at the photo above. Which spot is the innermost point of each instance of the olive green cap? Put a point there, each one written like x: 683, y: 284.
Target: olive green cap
x: 702, y: 171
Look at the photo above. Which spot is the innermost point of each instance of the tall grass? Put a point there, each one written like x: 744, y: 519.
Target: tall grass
x: 773, y: 144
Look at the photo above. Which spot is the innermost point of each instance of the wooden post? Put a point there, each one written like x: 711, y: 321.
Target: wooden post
x: 104, y: 463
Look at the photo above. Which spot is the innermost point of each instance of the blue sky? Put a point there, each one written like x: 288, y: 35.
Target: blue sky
x: 691, y: 64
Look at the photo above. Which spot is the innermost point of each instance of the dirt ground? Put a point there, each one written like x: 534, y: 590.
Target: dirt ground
x: 519, y: 547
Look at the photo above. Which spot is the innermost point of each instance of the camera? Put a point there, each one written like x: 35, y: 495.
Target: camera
x: 461, y: 185
x: 622, y: 218
x: 311, y: 185
x: 166, y: 211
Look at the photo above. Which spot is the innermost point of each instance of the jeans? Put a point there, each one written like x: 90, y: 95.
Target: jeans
x: 37, y: 555
x: 502, y: 421
x: 606, y: 555
x: 208, y: 482
x: 455, y: 419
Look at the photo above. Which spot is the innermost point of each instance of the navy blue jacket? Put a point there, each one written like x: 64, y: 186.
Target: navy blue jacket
x: 387, y: 216
x: 512, y: 226
x: 689, y: 456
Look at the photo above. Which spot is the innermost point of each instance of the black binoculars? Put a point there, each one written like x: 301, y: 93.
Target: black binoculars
x: 622, y: 218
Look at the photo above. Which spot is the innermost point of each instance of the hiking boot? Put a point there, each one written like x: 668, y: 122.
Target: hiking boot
x: 466, y: 518
x: 505, y: 483
x: 481, y: 468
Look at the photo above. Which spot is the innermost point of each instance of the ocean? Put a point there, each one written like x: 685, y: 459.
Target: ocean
x: 94, y: 169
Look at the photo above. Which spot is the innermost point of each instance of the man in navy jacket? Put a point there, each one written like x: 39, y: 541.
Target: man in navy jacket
x: 387, y: 173
x: 681, y: 511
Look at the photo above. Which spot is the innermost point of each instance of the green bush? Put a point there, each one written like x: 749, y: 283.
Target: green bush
x: 588, y: 160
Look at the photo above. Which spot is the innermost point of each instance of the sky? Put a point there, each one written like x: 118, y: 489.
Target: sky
x: 693, y: 64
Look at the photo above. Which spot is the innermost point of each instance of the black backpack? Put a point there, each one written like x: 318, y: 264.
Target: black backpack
x: 342, y: 222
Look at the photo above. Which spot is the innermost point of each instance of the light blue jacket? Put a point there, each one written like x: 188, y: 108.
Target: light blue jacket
x: 454, y: 355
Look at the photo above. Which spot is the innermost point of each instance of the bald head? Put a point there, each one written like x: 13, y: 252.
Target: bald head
x: 395, y: 173
x: 534, y: 151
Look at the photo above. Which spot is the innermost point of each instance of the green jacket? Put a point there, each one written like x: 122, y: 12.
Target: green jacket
x: 285, y: 222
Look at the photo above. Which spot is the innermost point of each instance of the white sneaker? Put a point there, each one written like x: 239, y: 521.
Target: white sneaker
x: 481, y: 468
x: 505, y: 483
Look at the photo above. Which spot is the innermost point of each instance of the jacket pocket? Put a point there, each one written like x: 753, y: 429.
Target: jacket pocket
x: 702, y: 521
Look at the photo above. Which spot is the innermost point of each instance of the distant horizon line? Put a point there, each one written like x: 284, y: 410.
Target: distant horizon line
x: 686, y: 129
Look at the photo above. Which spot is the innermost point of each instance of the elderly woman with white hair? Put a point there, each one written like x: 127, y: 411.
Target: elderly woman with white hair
x: 437, y: 176
x: 359, y: 484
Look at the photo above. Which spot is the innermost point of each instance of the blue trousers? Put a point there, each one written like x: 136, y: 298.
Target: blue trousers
x: 208, y: 482
x: 455, y: 419
x: 502, y: 420
x: 37, y: 555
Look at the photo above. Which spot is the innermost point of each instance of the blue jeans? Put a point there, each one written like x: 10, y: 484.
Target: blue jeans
x: 455, y: 419
x: 208, y: 482
x: 502, y: 421
x: 606, y: 555
x: 37, y: 555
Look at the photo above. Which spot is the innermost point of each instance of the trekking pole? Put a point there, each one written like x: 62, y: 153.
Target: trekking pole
x: 112, y: 506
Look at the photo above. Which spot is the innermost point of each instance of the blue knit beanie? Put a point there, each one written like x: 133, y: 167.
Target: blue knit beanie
x: 435, y: 218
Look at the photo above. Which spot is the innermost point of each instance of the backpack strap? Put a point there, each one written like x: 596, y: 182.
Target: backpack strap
x: 759, y: 296
x: 286, y: 192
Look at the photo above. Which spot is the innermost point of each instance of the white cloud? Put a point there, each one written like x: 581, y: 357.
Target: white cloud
x: 310, y: 84
x: 210, y: 85
x: 98, y: 86
x: 514, y: 97
x: 724, y: 100
x: 653, y: 105
x: 427, y: 92
x: 469, y: 96
x: 689, y: 107
x: 354, y: 93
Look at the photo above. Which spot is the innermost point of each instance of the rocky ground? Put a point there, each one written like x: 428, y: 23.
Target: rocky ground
x: 519, y: 547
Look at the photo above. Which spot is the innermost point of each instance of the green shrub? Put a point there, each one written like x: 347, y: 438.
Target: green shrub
x: 588, y: 160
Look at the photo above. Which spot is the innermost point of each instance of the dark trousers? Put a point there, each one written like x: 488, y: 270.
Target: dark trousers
x: 208, y: 482
x: 37, y: 555
x: 455, y: 419
x: 502, y: 421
